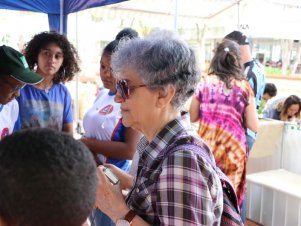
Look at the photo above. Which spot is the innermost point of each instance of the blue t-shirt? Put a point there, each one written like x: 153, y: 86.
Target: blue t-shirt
x: 41, y: 108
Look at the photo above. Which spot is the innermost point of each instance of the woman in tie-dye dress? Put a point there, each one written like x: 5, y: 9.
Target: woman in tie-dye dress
x: 224, y: 104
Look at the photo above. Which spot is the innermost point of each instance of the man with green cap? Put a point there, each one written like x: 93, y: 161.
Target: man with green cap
x: 14, y: 75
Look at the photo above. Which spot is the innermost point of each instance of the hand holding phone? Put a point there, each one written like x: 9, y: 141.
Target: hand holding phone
x: 111, y: 176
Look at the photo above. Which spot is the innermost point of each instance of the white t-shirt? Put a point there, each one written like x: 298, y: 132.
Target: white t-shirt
x: 101, y: 119
x: 8, y: 117
x: 103, y: 122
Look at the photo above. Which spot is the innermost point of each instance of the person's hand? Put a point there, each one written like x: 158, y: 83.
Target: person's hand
x: 126, y: 180
x: 109, y: 198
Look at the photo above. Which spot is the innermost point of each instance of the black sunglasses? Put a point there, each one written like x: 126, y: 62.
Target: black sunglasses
x: 125, y: 89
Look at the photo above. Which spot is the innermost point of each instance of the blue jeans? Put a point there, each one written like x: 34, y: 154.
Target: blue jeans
x: 251, y: 138
x: 243, y: 211
x: 98, y: 218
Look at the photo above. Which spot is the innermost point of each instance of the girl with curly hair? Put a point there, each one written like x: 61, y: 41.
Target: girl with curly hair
x: 49, y: 104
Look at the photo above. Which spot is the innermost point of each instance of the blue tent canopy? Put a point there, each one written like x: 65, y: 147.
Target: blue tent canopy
x: 57, y: 10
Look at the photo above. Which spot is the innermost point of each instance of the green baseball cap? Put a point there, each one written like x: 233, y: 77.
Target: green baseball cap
x: 13, y: 63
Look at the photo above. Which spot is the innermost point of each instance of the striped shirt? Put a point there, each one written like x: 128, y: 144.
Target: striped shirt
x: 182, y: 189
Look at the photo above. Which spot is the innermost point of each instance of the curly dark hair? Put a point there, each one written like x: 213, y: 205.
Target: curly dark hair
x: 70, y: 63
x: 47, y: 178
x: 226, y: 62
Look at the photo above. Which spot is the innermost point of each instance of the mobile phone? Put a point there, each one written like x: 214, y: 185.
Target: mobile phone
x: 111, y: 176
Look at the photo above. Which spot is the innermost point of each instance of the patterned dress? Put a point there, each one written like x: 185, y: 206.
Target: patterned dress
x: 221, y: 126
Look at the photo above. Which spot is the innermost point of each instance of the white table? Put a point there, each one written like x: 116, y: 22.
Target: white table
x: 267, y: 150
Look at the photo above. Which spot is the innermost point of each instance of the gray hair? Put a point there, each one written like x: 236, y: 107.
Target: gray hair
x: 161, y: 59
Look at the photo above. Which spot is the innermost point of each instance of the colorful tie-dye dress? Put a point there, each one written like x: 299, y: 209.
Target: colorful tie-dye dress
x: 221, y: 126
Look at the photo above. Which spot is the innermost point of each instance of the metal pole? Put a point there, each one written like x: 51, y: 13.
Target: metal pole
x: 76, y: 115
x: 176, y: 16
x: 238, y: 15
x: 61, y: 15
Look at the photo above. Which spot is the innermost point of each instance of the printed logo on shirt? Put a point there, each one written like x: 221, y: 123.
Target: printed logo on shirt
x: 106, y: 110
x: 4, y: 132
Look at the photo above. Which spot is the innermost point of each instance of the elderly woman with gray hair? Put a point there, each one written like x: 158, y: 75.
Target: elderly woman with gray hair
x: 173, y: 185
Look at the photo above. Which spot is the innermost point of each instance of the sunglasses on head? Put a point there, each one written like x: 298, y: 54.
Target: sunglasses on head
x: 125, y: 89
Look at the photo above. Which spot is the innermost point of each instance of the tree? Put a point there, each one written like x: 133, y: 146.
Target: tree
x: 286, y: 49
x: 296, y: 61
x: 200, y: 34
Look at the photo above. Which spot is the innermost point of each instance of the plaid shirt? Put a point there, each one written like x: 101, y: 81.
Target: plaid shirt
x: 182, y: 189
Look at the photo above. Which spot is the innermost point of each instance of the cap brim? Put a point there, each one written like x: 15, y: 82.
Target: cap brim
x: 28, y: 77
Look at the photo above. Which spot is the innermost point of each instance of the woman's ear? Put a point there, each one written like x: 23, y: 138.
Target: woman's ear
x: 165, y: 96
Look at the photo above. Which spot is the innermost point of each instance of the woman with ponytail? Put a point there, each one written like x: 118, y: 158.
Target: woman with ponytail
x: 224, y: 105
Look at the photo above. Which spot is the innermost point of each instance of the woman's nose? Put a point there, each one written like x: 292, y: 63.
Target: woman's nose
x: 52, y: 58
x: 106, y: 72
x: 118, y: 98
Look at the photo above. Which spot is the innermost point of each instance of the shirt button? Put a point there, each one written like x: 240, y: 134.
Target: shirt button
x: 137, y: 190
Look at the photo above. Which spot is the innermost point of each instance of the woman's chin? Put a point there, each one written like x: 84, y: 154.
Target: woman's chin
x: 109, y: 85
x: 126, y: 122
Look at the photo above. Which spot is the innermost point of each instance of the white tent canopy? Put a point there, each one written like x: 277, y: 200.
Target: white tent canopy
x: 261, y: 18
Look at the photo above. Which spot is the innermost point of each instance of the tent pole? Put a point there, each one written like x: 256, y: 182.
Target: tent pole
x: 238, y: 15
x: 61, y: 15
x: 175, y: 26
x: 78, y: 126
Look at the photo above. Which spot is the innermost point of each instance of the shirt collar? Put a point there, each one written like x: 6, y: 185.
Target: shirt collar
x: 111, y: 93
x: 149, y: 151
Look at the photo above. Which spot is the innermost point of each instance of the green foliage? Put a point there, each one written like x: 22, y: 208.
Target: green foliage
x: 275, y: 71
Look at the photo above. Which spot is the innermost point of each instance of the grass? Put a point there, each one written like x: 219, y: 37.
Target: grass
x: 275, y: 71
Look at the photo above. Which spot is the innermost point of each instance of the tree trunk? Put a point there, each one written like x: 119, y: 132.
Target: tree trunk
x: 297, y: 59
x: 201, y: 45
x: 286, y: 49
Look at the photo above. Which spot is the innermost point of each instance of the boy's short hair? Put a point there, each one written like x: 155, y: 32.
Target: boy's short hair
x: 270, y: 89
x: 238, y: 37
x: 47, y: 178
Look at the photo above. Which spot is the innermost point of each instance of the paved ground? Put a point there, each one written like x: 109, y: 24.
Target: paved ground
x: 286, y: 86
